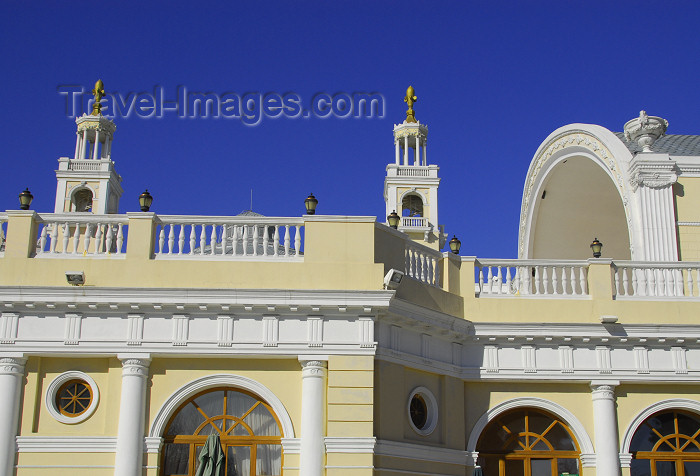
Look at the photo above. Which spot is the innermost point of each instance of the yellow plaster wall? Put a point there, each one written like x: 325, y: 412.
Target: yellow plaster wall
x: 687, y: 192
x: 350, y: 396
x: 41, y: 371
x: 281, y: 376
x: 68, y: 464
x: 689, y: 239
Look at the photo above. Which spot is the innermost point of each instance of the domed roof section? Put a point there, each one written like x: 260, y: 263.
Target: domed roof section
x: 672, y: 144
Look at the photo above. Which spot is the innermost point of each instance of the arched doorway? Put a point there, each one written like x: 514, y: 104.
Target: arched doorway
x: 667, y: 444
x: 249, y: 430
x: 528, y: 442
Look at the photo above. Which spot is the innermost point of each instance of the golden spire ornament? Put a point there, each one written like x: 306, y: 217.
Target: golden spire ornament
x: 410, y: 99
x: 98, y: 93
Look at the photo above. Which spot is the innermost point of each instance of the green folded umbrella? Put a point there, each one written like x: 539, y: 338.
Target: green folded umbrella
x: 212, y: 461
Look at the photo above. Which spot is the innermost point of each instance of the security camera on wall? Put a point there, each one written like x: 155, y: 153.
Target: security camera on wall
x: 393, y: 279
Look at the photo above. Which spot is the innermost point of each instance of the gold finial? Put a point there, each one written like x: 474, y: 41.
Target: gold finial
x: 98, y: 93
x: 410, y: 99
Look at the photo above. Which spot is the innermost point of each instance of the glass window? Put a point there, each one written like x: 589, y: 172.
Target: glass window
x: 666, y: 444
x: 249, y: 431
x: 73, y: 398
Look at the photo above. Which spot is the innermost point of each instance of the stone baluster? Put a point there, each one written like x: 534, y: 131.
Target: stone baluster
x: 287, y: 241
x: 297, y: 240
x: 120, y: 238
x: 171, y: 238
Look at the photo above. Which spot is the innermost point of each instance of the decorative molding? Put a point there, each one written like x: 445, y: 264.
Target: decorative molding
x: 315, y: 331
x: 271, y: 330
x: 582, y: 437
x: 395, y: 338
x: 134, y: 365
x: 566, y: 359
x: 680, y: 363
x: 336, y: 444
x: 645, y: 130
x: 181, y: 329
x: 55, y: 385
x: 425, y: 346
x: 641, y: 359
x: 602, y: 353
x: 422, y: 452
x: 72, y: 329
x: 688, y: 223
x: 457, y: 354
x: 8, y: 327
x: 66, y: 444
x: 670, y: 404
x: 603, y: 391
x: 134, y: 333
x: 491, y: 358
x: 224, y: 330
x: 291, y: 445
x: 528, y: 353
x: 152, y: 444
x: 366, y: 330
x: 221, y: 380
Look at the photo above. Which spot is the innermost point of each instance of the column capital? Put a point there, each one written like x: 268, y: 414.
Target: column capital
x: 604, y: 390
x: 12, y: 365
x: 313, y: 368
x: 135, y: 364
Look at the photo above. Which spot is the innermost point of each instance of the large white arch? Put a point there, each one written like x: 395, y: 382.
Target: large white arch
x: 584, y: 441
x: 593, y: 142
x: 670, y: 404
x: 220, y: 380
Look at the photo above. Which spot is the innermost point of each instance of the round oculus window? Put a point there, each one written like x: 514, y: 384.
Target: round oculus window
x: 72, y: 397
x: 422, y: 411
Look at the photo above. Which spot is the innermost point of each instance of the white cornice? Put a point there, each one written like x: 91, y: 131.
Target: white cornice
x: 414, y: 315
x: 336, y: 444
x: 423, y: 452
x: 186, y: 297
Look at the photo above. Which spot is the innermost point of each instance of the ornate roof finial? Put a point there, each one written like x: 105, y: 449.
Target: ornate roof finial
x: 98, y: 93
x: 645, y: 130
x: 410, y: 99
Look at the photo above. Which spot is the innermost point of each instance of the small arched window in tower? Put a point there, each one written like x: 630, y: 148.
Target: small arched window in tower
x: 82, y: 201
x: 412, y: 206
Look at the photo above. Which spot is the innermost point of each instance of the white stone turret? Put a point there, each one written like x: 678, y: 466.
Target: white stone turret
x: 88, y: 181
x: 411, y: 185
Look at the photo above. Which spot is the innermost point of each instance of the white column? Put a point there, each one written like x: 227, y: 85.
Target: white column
x: 84, y: 145
x: 11, y: 379
x: 109, y: 148
x: 605, y: 423
x: 128, y: 459
x: 417, y: 161
x: 77, y: 145
x: 97, y: 145
x: 398, y: 152
x: 313, y: 406
x: 425, y: 152
x: 405, y: 150
x: 105, y: 148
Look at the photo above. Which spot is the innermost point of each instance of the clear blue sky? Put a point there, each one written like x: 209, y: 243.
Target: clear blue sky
x: 493, y: 80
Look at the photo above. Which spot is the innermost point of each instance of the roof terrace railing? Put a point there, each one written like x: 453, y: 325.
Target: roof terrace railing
x: 502, y: 277
x: 3, y: 232
x: 422, y: 263
x: 81, y: 234
x: 244, y: 237
x: 635, y: 279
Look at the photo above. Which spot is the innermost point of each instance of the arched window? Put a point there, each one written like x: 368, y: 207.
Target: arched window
x: 528, y: 442
x: 412, y: 205
x: 82, y: 201
x: 248, y: 428
x: 667, y: 444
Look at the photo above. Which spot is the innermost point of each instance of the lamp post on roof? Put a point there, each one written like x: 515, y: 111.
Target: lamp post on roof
x: 25, y: 199
x: 596, y: 246
x: 393, y: 219
x: 145, y: 201
x: 311, y: 203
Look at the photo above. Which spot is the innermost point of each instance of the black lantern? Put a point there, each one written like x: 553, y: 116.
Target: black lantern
x: 311, y: 203
x: 145, y: 200
x: 393, y: 220
x: 455, y: 245
x: 596, y: 246
x: 25, y: 199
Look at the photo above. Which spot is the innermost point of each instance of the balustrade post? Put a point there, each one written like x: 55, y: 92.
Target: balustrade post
x: 20, y: 241
x: 600, y: 282
x: 142, y: 235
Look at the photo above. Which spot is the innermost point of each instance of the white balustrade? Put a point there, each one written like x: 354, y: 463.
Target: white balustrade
x: 676, y: 279
x: 3, y: 232
x: 501, y: 277
x: 78, y: 234
x: 413, y: 171
x: 422, y: 263
x: 254, y: 238
x: 414, y: 222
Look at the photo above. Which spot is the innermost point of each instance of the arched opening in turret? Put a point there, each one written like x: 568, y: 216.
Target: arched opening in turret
x: 81, y: 201
x: 577, y: 202
x: 412, y: 205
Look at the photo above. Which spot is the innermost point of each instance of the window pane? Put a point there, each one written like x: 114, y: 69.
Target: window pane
x: 692, y: 468
x: 687, y: 425
x: 186, y: 421
x: 640, y: 467
x: 268, y: 461
x: 538, y: 422
x: 540, y: 445
x: 211, y: 403
x: 567, y: 465
x: 238, y: 461
x: 644, y: 438
x: 238, y: 403
x: 540, y: 467
x: 489, y: 466
x: 175, y: 459
x: 515, y: 467
x: 262, y: 422
x: 665, y: 468
x: 560, y: 439
x: 515, y: 421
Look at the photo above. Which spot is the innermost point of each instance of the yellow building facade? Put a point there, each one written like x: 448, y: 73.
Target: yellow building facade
x: 339, y: 345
